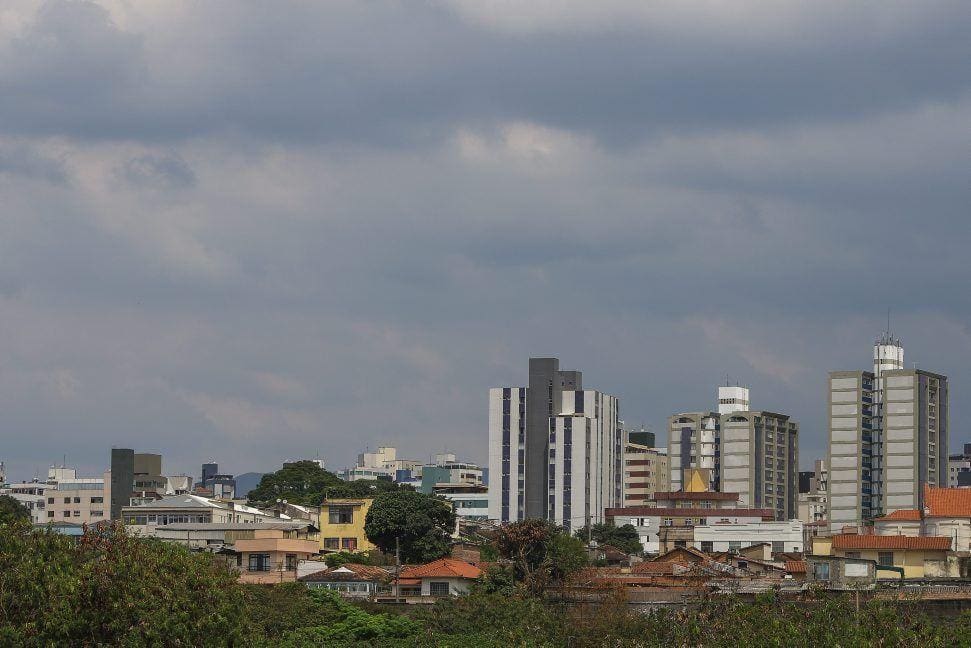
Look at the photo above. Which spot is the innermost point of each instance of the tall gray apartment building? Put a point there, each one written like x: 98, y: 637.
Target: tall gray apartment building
x: 888, y: 435
x: 555, y: 449
x: 752, y: 453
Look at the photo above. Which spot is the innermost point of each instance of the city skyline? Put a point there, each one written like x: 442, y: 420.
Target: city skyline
x: 253, y: 239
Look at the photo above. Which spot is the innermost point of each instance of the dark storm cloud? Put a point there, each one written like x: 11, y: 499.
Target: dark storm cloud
x: 257, y: 231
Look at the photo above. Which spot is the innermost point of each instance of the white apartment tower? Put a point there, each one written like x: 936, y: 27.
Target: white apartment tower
x: 555, y: 449
x: 733, y: 399
x: 888, y: 437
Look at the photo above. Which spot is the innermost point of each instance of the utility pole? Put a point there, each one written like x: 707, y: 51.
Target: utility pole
x: 397, y: 569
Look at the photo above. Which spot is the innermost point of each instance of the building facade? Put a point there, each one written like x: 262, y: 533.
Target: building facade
x: 693, y: 441
x: 555, y: 449
x: 646, y: 472
x: 888, y: 437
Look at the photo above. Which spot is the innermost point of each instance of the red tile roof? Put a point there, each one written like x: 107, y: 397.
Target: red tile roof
x: 906, y: 515
x: 649, y: 511
x: 853, y: 541
x: 443, y: 568
x: 796, y: 566
x: 655, y: 567
x: 947, y: 502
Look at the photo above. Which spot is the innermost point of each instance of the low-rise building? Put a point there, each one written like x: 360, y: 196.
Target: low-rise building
x: 214, y: 536
x: 271, y: 555
x: 662, y: 529
x: 350, y: 580
x: 448, y: 471
x: 444, y: 577
x: 142, y: 519
x: 342, y: 524
x: 946, y: 512
x: 733, y: 536
x: 918, y: 557
x: 469, y: 502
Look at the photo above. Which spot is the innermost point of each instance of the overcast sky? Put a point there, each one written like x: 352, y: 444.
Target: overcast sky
x: 256, y: 231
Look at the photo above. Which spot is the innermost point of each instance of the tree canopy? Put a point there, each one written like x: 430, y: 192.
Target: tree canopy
x: 12, y: 511
x: 421, y: 523
x: 623, y: 537
x: 304, y: 482
x: 541, y: 553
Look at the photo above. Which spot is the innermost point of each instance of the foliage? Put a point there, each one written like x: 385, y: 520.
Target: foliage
x: 305, y: 482
x: 351, y: 625
x: 541, y: 553
x: 496, y: 579
x: 282, y: 608
x: 623, y: 537
x: 12, y: 511
x: 108, y: 588
x: 358, y: 557
x: 421, y: 523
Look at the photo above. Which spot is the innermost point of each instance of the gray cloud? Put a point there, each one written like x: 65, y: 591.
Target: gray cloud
x: 252, y: 232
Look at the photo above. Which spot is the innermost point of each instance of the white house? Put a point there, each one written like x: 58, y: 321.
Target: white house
x: 722, y: 536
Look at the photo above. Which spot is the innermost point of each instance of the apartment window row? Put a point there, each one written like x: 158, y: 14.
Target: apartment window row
x: 77, y: 500
x: 338, y: 544
x: 68, y: 514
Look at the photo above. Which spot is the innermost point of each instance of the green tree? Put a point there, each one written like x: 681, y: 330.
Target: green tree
x: 107, y: 588
x: 304, y: 482
x: 422, y: 524
x: 541, y: 553
x: 12, y: 511
x: 623, y: 537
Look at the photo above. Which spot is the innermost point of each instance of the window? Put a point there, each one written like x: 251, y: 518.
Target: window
x: 332, y: 543
x: 291, y: 562
x: 681, y: 543
x: 349, y: 543
x: 707, y: 546
x: 341, y: 515
x: 852, y: 554
x: 97, y: 500
x: 778, y: 546
x: 50, y: 500
x: 734, y: 546
x: 667, y: 522
x: 77, y: 500
x: 67, y: 514
x: 50, y: 514
x: 259, y: 562
x: 885, y: 558
x: 77, y: 514
x: 97, y: 513
x: 438, y: 589
x: 67, y: 500
x: 821, y: 571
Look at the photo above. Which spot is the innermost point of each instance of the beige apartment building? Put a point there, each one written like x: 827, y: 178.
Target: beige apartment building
x: 645, y: 473
x: 79, y: 500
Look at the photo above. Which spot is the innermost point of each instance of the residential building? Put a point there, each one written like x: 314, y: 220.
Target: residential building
x: 646, y: 472
x: 32, y: 495
x: 80, y: 500
x: 946, y: 512
x: 959, y: 468
x: 444, y: 577
x: 142, y: 519
x: 271, y: 555
x: 921, y: 557
x: 342, y: 524
x: 469, y: 502
x: 888, y: 437
x: 661, y: 529
x: 351, y: 580
x: 555, y: 449
x: 760, y: 460
x: 732, y: 536
x: 447, y: 471
x: 641, y: 437
x: 381, y: 464
x: 215, y: 536
x: 737, y: 449
x: 693, y: 444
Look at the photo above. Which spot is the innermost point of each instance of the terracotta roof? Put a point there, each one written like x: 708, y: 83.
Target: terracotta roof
x: 947, y: 502
x: 908, y: 515
x: 443, y: 568
x: 796, y: 566
x: 348, y: 572
x: 853, y: 541
x: 649, y: 511
x: 678, y: 495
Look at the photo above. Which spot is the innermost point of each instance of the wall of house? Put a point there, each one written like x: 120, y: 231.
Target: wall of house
x: 353, y: 530
x: 915, y: 563
x: 957, y: 529
x: 898, y: 527
x: 457, y: 586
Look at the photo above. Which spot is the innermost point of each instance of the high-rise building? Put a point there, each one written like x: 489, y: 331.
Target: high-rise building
x: 693, y: 442
x: 645, y: 472
x: 738, y: 450
x: 134, y: 475
x: 555, y: 449
x: 888, y: 437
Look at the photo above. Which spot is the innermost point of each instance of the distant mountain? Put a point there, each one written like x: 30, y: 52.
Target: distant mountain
x: 247, y: 482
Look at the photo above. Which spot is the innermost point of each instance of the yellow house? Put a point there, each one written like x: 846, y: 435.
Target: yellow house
x: 342, y: 524
x: 918, y: 556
